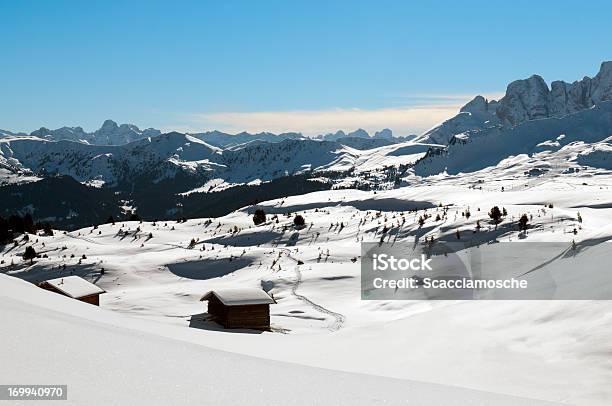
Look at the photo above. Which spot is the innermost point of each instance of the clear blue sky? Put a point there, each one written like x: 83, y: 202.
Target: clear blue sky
x: 201, y: 64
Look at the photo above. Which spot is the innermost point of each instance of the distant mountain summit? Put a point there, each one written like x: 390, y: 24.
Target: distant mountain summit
x: 109, y: 134
x: 113, y: 134
x: 525, y: 100
x: 359, y: 133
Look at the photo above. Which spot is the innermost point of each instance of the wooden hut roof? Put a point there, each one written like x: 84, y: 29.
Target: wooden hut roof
x: 74, y: 286
x: 239, y: 297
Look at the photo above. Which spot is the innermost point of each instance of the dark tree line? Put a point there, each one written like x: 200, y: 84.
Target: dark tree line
x: 16, y: 224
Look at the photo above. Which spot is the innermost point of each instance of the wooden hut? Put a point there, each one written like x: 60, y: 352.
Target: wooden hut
x: 74, y: 287
x: 240, y: 308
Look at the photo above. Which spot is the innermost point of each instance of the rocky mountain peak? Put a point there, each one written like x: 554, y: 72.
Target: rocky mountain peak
x: 359, y: 133
x: 384, y: 133
x: 477, y: 104
x: 109, y: 125
x: 525, y: 100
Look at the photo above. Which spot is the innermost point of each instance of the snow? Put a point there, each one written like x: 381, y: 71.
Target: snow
x: 74, y: 286
x: 484, y: 346
x: 240, y: 297
x: 106, y: 358
x: 165, y: 156
x: 539, y: 139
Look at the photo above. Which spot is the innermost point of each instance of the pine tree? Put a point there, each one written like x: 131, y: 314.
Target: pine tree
x: 523, y: 222
x: 30, y: 253
x: 299, y: 221
x: 28, y: 224
x: 4, y: 230
x: 259, y: 217
x: 495, y: 215
x: 47, y: 229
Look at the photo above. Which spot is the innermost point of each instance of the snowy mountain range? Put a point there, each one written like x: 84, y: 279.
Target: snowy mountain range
x: 165, y: 156
x: 533, y: 127
x: 109, y: 134
x: 112, y: 133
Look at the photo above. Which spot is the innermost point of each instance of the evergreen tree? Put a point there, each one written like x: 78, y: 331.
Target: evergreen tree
x: 4, y: 230
x: 30, y: 253
x: 495, y: 215
x: 28, y: 224
x: 259, y: 217
x: 15, y: 224
x: 299, y: 221
x: 523, y: 222
x: 47, y: 229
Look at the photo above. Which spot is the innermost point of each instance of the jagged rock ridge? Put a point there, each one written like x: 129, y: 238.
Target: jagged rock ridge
x: 525, y: 100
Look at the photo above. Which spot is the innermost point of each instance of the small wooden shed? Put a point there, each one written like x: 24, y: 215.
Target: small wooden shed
x: 240, y: 308
x: 75, y: 287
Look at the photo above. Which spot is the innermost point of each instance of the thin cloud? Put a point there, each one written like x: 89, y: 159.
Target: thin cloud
x: 412, y: 118
x: 403, y: 121
x: 409, y: 98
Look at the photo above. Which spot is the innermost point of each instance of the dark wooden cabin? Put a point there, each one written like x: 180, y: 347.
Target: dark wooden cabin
x: 74, y: 287
x: 240, y: 308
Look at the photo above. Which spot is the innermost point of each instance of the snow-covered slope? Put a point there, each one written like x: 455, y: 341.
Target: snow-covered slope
x: 164, y: 157
x: 518, y: 348
x: 268, y: 161
x: 598, y: 155
x: 125, y: 367
x: 6, y: 133
x: 224, y: 140
x: 475, y: 150
x: 154, y: 158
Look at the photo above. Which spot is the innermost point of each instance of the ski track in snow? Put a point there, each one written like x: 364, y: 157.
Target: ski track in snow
x: 338, y: 318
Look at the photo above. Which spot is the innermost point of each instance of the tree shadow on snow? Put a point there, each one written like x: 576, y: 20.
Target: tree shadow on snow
x: 38, y: 272
x: 247, y: 239
x: 384, y: 204
x: 208, y: 269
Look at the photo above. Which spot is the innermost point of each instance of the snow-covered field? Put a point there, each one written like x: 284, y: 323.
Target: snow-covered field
x: 106, y: 358
x: 557, y: 351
